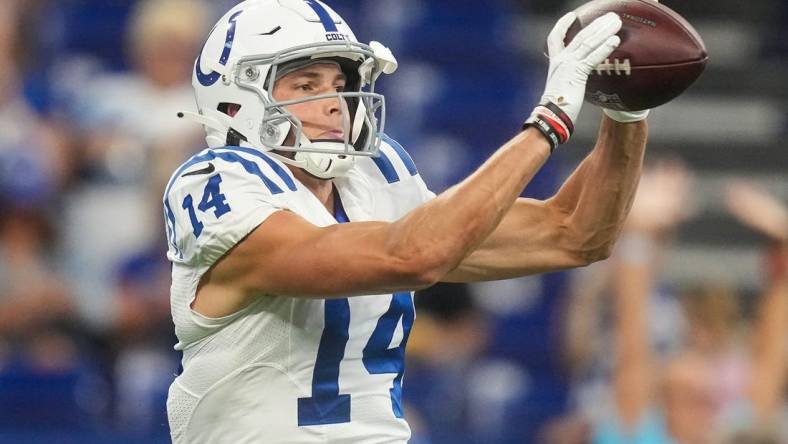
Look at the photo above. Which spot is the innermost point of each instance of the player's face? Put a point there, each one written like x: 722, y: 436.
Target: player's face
x: 321, y: 119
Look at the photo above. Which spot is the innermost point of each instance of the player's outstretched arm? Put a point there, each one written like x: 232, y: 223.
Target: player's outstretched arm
x: 770, y: 359
x: 597, y: 197
x: 285, y: 255
x: 580, y: 224
x: 764, y: 213
x: 576, y: 227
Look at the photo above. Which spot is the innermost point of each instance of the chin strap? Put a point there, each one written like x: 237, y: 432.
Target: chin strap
x: 324, y: 165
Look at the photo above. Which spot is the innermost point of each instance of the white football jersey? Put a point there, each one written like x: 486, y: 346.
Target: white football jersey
x: 283, y: 369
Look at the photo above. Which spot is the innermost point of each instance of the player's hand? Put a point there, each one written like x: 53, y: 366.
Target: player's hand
x: 568, y: 73
x: 766, y: 214
x: 570, y: 66
x: 758, y: 210
x: 661, y: 202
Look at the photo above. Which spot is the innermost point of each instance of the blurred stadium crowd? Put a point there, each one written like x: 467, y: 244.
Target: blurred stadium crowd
x: 678, y: 334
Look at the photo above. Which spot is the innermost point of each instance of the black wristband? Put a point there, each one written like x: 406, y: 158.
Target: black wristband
x: 561, y: 115
x: 552, y: 122
x: 547, y: 131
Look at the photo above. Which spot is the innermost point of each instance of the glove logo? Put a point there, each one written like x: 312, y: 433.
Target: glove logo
x: 605, y: 98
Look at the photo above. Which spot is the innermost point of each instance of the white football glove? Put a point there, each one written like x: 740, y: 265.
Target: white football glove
x: 569, y: 69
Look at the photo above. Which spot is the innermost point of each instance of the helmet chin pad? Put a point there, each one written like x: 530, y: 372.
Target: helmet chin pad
x: 324, y: 165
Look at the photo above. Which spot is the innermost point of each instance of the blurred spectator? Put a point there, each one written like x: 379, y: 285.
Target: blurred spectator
x: 33, y: 159
x: 132, y: 141
x: 706, y: 391
x: 32, y: 293
x: 143, y: 338
x: 44, y: 379
x: 456, y: 394
x: 661, y: 203
x: 133, y: 131
x: 762, y: 416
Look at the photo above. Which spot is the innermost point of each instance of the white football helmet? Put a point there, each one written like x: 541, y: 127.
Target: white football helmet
x: 238, y: 66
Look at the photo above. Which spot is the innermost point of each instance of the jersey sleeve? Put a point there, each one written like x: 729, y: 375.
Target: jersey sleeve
x: 215, y: 200
x: 396, y: 181
x: 396, y: 151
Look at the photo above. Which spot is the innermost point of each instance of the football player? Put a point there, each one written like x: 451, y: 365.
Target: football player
x: 297, y: 237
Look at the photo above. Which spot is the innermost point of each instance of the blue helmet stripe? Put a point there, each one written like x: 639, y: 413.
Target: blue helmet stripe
x: 211, y: 78
x: 324, y: 16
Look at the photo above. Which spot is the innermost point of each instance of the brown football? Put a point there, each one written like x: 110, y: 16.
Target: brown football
x: 660, y: 55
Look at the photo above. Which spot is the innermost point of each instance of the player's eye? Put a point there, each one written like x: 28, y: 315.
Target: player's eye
x: 305, y: 87
x: 340, y: 88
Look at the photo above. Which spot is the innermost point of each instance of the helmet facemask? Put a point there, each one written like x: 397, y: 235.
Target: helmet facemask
x: 363, y: 110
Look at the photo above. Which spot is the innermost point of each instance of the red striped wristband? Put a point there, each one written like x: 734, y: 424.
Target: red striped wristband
x: 552, y: 122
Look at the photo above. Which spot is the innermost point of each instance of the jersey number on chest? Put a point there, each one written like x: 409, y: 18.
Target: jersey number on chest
x: 327, y: 405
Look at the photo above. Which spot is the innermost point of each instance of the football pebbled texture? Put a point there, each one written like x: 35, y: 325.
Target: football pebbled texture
x: 660, y: 55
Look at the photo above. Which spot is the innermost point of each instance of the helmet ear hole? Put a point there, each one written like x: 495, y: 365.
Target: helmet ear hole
x: 231, y: 109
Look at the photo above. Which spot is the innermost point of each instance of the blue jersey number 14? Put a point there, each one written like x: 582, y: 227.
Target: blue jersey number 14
x: 211, y: 198
x: 326, y: 405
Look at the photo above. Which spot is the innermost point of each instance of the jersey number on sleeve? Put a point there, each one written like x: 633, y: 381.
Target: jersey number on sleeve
x: 326, y: 405
x: 211, y: 198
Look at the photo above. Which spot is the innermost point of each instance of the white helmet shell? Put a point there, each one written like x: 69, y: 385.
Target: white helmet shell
x: 238, y: 66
